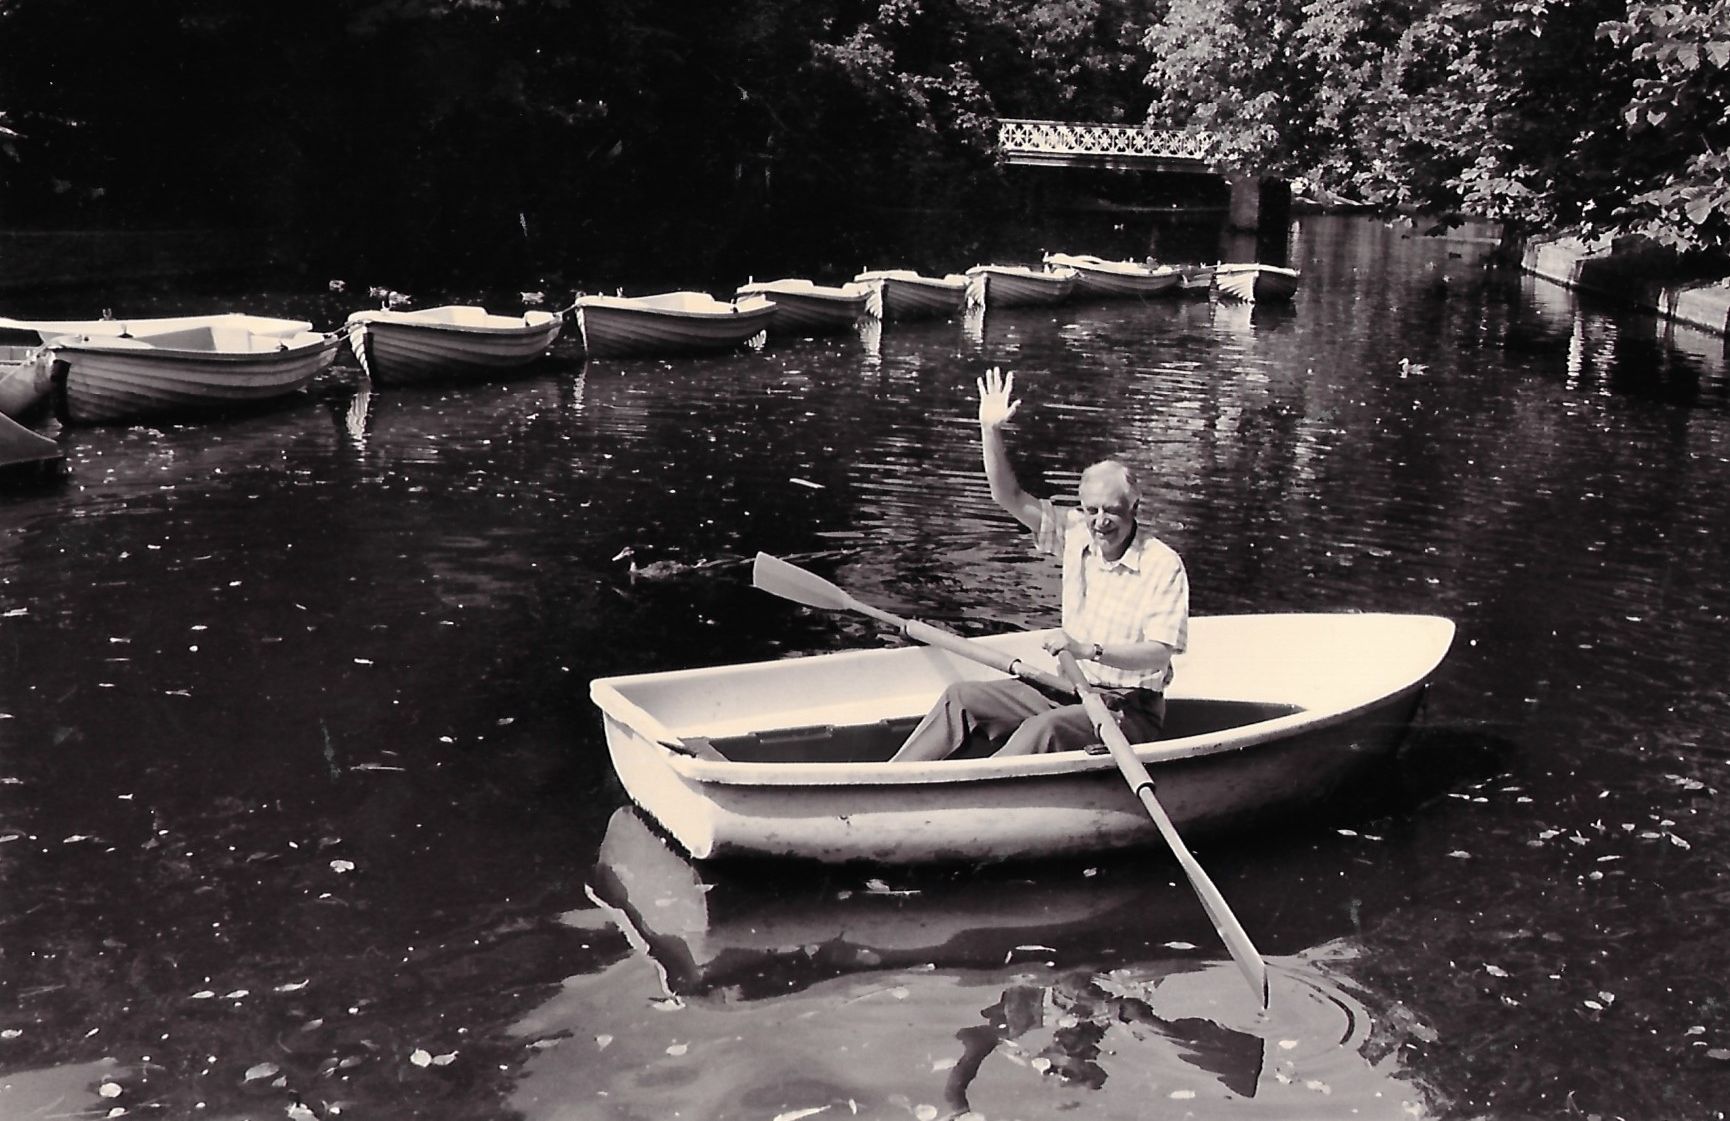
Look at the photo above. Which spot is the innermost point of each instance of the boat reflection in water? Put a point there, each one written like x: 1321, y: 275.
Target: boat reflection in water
x: 1005, y: 990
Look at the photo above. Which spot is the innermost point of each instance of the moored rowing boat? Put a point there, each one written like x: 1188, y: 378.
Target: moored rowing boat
x: 401, y: 347
x: 1098, y: 278
x: 1252, y: 282
x: 788, y: 758
x: 805, y: 308
x: 993, y: 286
x: 669, y: 323
x: 905, y: 294
x: 181, y: 372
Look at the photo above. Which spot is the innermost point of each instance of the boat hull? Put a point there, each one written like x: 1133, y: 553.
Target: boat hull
x: 24, y: 381
x: 1099, y: 279
x: 909, y: 298
x: 401, y: 352
x: 1005, y: 288
x: 1061, y: 804
x: 22, y: 448
x: 620, y: 332
x: 97, y: 382
x: 1255, y: 283
x: 810, y: 312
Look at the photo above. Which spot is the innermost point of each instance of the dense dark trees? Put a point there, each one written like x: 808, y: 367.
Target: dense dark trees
x: 502, y: 137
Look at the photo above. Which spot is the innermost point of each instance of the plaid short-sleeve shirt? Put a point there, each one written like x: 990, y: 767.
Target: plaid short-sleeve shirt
x: 1142, y: 596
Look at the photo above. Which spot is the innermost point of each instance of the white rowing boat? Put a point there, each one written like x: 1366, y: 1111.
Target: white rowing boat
x: 669, y: 323
x: 1268, y: 713
x: 182, y: 372
x: 1253, y: 283
x: 457, y: 341
x: 1000, y: 286
x: 905, y: 294
x: 805, y: 308
x: 1099, y: 279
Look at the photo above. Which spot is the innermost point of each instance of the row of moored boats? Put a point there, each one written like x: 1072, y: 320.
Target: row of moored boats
x: 104, y: 371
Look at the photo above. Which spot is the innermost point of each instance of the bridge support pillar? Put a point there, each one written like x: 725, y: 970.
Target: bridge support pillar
x: 1245, y: 213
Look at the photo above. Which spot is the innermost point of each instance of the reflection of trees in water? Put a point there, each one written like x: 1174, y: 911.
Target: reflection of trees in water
x: 1082, y: 1010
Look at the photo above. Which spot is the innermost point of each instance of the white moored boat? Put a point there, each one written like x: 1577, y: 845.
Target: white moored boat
x: 993, y: 286
x: 1255, y: 283
x: 24, y: 374
x: 669, y: 323
x: 401, y: 347
x: 905, y: 294
x: 1099, y: 279
x: 804, y: 308
x: 788, y: 758
x: 183, y: 371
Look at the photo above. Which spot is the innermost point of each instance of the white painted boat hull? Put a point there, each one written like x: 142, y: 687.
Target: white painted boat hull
x: 113, y: 380
x: 1255, y: 283
x: 397, y: 348
x: 804, y: 310
x: 617, y: 327
x: 992, y: 287
x: 1341, y: 707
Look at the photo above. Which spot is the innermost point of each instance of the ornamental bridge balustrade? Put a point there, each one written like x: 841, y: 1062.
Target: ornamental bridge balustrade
x: 1026, y: 143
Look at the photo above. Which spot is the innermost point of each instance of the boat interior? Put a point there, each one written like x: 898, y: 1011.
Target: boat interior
x: 225, y: 339
x: 876, y: 741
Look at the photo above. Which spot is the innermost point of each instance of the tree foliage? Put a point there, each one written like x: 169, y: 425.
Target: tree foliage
x: 1592, y: 113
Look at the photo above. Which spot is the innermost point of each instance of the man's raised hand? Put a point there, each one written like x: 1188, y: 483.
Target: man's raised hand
x: 995, y: 405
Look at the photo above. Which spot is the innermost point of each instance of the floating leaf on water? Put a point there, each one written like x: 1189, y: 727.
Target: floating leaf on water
x: 1041, y: 1065
x: 1607, y: 998
x: 1180, y: 945
x: 203, y: 994
x: 1718, y: 1053
x: 445, y: 1059
x: 943, y: 1064
x: 14, y: 1033
x: 1460, y: 854
x: 1679, y: 842
x: 1594, y: 1005
x: 603, y: 1041
x: 1495, y: 971
x: 678, y: 1048
x: 109, y: 1089
x: 926, y: 1113
x: 420, y: 1057
x: 262, y: 1070
x: 1182, y: 1095
x: 805, y: 483
x: 341, y: 866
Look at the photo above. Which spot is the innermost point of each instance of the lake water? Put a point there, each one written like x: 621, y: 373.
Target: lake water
x: 304, y: 810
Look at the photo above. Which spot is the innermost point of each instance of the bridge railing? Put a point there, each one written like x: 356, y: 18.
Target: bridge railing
x: 1057, y: 139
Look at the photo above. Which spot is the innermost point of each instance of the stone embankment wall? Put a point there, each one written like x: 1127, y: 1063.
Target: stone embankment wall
x: 1627, y: 269
x: 69, y: 258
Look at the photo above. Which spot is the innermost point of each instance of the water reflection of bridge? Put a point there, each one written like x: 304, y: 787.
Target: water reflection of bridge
x: 1122, y: 147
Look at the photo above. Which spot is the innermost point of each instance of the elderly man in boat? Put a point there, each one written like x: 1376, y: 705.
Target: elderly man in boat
x: 1125, y: 612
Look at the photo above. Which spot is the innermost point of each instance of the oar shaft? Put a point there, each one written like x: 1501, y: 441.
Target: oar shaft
x: 1231, y: 932
x: 955, y: 644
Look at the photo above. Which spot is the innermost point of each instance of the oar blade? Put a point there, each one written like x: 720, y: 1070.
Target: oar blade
x: 789, y: 581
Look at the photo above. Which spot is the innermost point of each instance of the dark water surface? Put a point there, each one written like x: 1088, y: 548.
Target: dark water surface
x: 304, y: 811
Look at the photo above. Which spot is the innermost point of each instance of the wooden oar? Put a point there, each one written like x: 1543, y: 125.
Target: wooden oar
x: 1230, y: 930
x: 789, y: 581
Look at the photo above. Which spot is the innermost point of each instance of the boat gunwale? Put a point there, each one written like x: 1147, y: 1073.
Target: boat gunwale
x: 606, y: 696
x: 853, y: 292
x: 515, y: 326
x: 150, y: 354
x: 723, y: 311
